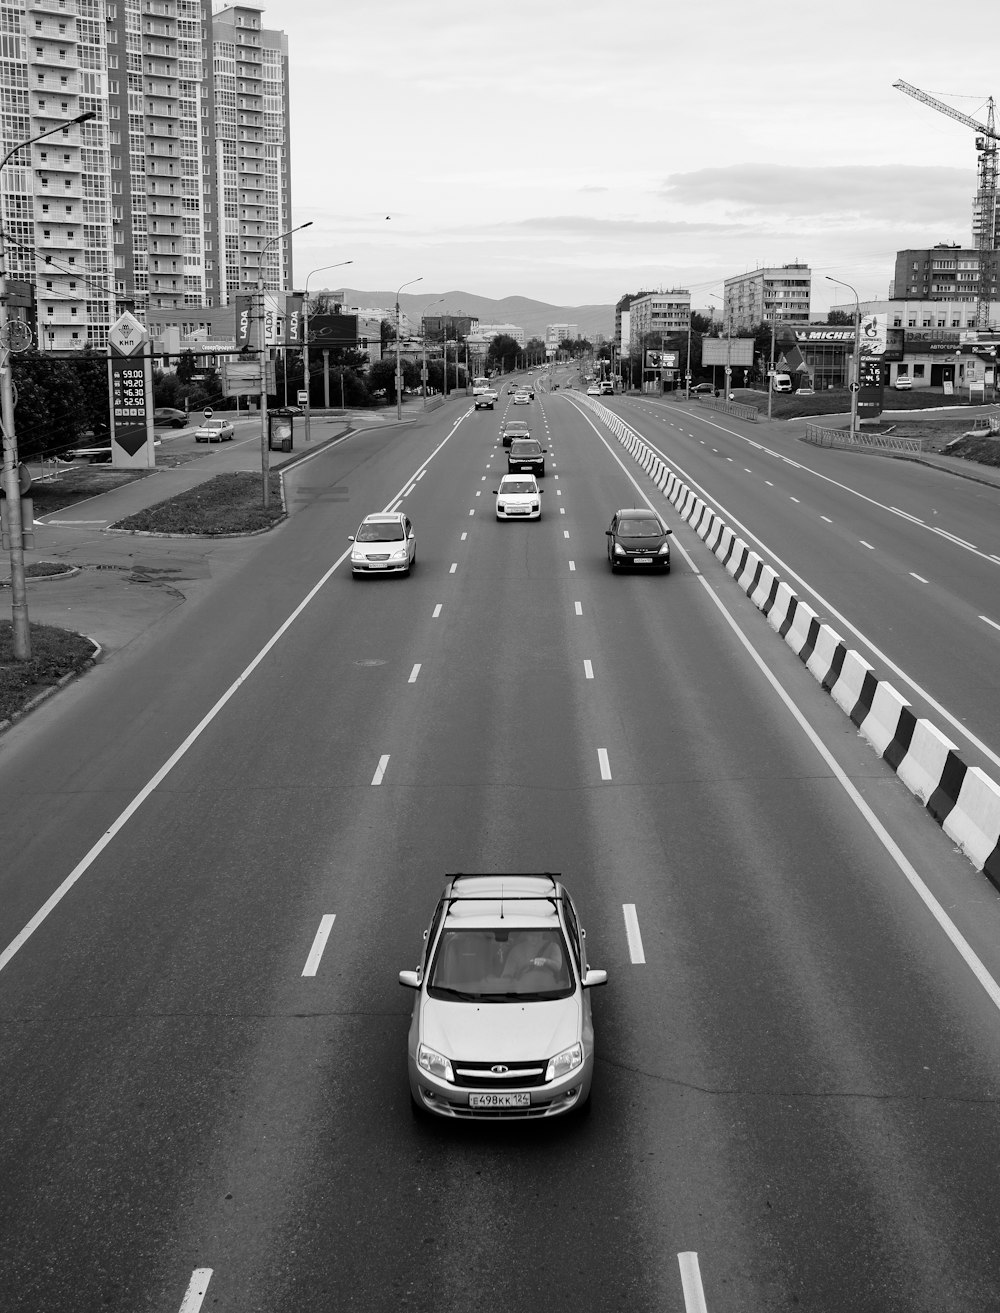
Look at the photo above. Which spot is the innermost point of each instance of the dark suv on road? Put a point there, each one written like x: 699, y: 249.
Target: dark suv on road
x: 526, y: 456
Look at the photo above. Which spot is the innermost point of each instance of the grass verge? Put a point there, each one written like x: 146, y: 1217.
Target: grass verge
x: 54, y: 653
x: 228, y: 504
x: 77, y: 484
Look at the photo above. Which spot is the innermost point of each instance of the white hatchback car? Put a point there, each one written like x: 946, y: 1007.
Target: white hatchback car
x: 502, y: 1024
x: 383, y: 544
x: 519, y: 498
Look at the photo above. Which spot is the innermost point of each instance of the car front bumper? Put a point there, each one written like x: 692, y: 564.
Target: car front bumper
x: 550, y: 1100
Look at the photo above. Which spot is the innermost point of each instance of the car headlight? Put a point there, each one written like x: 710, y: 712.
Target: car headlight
x: 563, y: 1063
x: 434, y: 1063
x: 357, y: 555
x: 398, y: 556
x: 619, y: 549
x: 664, y: 550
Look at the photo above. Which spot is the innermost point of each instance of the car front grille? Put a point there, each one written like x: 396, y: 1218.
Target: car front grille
x: 515, y: 1075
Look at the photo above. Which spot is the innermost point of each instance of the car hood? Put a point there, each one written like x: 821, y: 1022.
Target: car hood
x: 640, y: 544
x: 500, y: 1032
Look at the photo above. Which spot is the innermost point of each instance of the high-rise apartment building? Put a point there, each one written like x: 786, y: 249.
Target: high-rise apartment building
x: 779, y: 294
x: 654, y: 315
x: 167, y: 198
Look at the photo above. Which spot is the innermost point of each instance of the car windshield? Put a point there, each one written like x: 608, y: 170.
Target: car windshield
x: 639, y: 529
x: 517, y: 485
x: 380, y: 533
x: 501, y: 966
x: 525, y: 447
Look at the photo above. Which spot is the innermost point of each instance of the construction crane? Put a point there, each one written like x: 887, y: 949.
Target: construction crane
x: 984, y: 212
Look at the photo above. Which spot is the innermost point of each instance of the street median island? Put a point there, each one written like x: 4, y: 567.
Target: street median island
x: 225, y: 506
x: 56, y: 655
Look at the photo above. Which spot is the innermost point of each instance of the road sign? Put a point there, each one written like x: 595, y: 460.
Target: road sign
x: 208, y: 412
x: 127, y: 335
x: 303, y: 397
x: 854, y: 387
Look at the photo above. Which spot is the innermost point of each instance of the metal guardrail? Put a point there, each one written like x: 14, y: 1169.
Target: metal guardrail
x: 822, y: 437
x: 733, y: 408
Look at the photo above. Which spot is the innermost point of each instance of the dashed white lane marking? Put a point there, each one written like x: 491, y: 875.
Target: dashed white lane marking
x: 421, y: 475
x: 454, y: 567
x: 694, y: 1294
x: 409, y: 490
x: 379, y: 775
x: 826, y: 518
x: 562, y: 510
x: 464, y: 536
x: 919, y: 577
x: 472, y: 512
x: 414, y: 673
x: 602, y: 761
x: 864, y: 544
x: 196, y: 1291
x: 989, y: 621
x: 558, y: 492
x: 795, y: 500
x: 578, y: 607
x: 633, y: 936
x: 565, y: 533
x: 906, y: 515
x: 318, y: 944
x: 478, y: 492
x: 588, y: 670
x: 436, y: 612
x: 483, y: 479
x: 572, y: 565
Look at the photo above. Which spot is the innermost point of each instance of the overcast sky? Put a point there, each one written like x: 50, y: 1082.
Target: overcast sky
x: 573, y: 150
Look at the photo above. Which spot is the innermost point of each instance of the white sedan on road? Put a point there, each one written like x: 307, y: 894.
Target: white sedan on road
x: 519, y: 498
x: 214, y: 430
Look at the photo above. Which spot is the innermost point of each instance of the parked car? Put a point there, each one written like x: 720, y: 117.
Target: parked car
x: 903, y: 383
x: 638, y: 537
x: 177, y: 419
x: 214, y: 430
x: 702, y: 389
x: 518, y: 498
x: 384, y: 544
x: 502, y: 1024
x: 593, y: 390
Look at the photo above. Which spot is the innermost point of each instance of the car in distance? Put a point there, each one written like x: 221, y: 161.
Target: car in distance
x: 502, y: 1026
x: 607, y: 388
x: 521, y: 398
x: 214, y: 430
x: 903, y: 383
x: 383, y: 544
x: 519, y: 498
x: 702, y: 389
x: 593, y: 390
x: 526, y: 455
x: 512, y: 390
x: 514, y: 428
x: 177, y: 419
x: 485, y: 401
x: 638, y: 537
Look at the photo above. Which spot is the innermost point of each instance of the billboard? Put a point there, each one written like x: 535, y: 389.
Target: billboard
x: 333, y: 330
x: 662, y: 359
x: 727, y: 351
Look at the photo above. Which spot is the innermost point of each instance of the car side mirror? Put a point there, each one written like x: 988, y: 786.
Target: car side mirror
x: 412, y: 980
x: 350, y: 537
x: 668, y: 530
x: 608, y: 533
x: 590, y: 978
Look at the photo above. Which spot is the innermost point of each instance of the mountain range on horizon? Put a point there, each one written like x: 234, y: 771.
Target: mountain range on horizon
x: 532, y: 316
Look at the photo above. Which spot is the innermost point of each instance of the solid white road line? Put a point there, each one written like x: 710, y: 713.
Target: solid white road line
x: 319, y: 943
x: 196, y: 1291
x: 414, y: 673
x: 436, y: 612
x: 633, y: 936
x: 602, y: 759
x: 694, y: 1294
x: 383, y: 761
x: 989, y: 621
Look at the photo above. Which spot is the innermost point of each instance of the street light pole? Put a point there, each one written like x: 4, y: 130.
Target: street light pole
x: 20, y: 625
x: 305, y: 335
x: 262, y: 356
x: 399, y: 384
x: 856, y: 370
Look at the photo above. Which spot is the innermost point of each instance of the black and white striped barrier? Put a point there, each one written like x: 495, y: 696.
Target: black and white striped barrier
x: 963, y: 799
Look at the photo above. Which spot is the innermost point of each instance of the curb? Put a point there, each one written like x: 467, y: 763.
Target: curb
x: 962, y: 799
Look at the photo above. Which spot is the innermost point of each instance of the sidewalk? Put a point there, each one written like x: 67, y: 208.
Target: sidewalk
x: 124, y: 584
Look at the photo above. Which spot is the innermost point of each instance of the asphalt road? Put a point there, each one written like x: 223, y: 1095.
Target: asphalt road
x: 796, y: 1077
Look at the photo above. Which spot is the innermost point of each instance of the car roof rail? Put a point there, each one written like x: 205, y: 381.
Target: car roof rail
x: 502, y: 896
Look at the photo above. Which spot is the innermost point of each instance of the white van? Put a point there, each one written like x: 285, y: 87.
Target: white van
x: 781, y: 382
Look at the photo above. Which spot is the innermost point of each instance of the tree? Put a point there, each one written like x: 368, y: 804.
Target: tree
x: 839, y: 317
x: 502, y: 353
x: 186, y: 368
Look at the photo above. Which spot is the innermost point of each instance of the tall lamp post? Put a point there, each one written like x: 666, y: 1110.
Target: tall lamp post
x: 305, y: 333
x: 856, y: 371
x: 20, y: 624
x: 423, y: 334
x: 262, y: 355
x: 399, y: 380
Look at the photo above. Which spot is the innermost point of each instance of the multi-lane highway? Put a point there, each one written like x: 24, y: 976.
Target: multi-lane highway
x: 219, y: 854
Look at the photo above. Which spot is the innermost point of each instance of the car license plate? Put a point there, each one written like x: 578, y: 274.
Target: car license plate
x: 642, y: 560
x: 377, y: 565
x: 499, y: 1100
